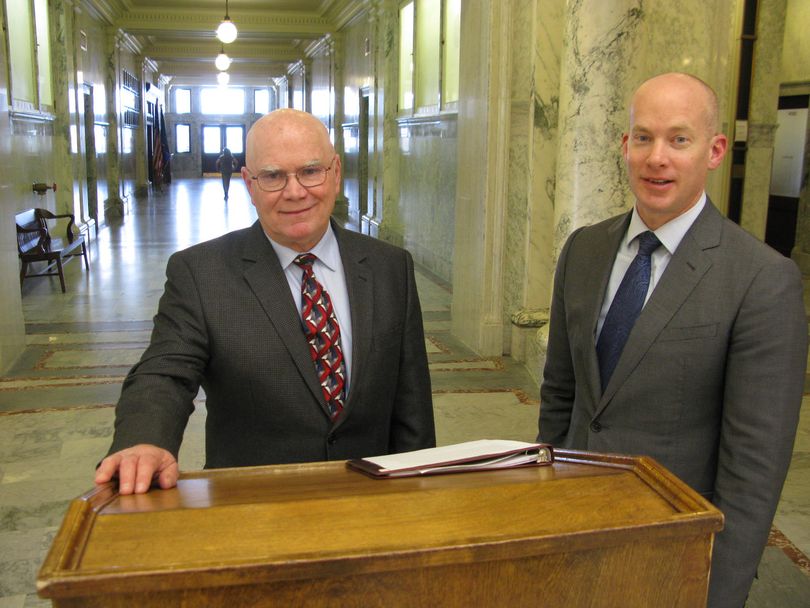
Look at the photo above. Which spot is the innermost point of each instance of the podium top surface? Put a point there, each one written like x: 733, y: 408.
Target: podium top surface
x: 294, y: 521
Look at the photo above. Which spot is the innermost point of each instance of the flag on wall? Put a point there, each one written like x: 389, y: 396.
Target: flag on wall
x: 164, y: 148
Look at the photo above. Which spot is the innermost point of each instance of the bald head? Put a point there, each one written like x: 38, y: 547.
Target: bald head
x: 284, y: 125
x: 678, y: 83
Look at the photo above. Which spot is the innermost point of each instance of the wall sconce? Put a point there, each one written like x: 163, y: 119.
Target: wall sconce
x: 226, y: 32
x: 41, y: 188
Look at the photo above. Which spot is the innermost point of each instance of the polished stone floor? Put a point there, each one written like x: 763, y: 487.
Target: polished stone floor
x: 56, y: 403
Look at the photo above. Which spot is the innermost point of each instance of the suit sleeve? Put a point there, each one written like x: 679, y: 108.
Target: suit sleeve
x: 157, y: 395
x: 558, y: 388
x: 412, y: 426
x: 764, y: 381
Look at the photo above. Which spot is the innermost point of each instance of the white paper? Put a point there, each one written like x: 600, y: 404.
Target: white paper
x: 448, y: 453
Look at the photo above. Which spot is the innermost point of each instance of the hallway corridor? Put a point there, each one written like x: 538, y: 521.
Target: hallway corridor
x: 56, y: 403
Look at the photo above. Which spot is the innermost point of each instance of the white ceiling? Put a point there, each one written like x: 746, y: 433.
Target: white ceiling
x: 179, y: 34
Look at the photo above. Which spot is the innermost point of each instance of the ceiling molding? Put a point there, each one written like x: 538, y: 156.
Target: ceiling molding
x: 200, y: 51
x: 106, y: 11
x: 344, y: 12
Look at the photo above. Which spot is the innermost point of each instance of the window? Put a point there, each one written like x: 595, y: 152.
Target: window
x: 29, y: 54
x: 406, y: 57
x: 43, y: 45
x: 261, y: 101
x: 182, y: 138
x: 452, y: 50
x: 100, y: 132
x: 429, y: 53
x: 222, y: 100
x: 182, y: 101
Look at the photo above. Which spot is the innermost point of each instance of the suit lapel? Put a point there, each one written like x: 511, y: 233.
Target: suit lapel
x: 684, y: 271
x: 360, y: 287
x: 266, y: 279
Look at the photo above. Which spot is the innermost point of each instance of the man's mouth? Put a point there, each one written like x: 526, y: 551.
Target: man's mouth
x: 658, y: 182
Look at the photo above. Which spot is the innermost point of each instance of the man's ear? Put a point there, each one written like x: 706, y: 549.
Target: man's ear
x: 246, y: 178
x: 718, y: 148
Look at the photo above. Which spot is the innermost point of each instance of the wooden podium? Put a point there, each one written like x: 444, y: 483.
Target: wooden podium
x: 590, y: 530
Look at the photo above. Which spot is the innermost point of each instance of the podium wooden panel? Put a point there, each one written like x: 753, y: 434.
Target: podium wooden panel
x: 590, y: 530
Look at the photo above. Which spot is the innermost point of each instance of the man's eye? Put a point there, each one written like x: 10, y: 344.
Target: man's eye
x: 310, y: 171
x: 271, y: 175
x: 641, y: 138
x: 681, y: 140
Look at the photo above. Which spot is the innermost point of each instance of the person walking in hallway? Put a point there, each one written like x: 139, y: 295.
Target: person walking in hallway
x: 307, y: 338
x: 676, y: 334
x: 226, y: 165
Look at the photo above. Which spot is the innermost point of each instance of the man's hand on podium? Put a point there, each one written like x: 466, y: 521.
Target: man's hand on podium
x: 137, y: 466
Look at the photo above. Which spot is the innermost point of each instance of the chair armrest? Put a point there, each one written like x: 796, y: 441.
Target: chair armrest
x: 53, y: 216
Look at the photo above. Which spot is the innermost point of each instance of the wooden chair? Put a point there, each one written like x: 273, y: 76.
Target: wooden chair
x: 35, y: 244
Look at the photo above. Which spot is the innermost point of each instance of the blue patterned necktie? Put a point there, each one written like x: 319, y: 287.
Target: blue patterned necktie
x: 625, y: 308
x: 323, y: 334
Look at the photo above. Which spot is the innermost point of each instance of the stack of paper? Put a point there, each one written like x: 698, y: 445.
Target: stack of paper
x: 483, y: 454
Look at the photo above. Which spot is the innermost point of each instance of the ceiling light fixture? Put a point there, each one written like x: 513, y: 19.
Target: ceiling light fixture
x: 226, y: 32
x: 223, y: 62
x: 223, y: 78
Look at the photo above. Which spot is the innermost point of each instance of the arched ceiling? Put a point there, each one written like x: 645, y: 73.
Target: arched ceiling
x: 179, y: 35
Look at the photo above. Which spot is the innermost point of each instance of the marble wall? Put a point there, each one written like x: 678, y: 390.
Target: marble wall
x: 16, y: 154
x: 427, y: 193
x: 796, y: 47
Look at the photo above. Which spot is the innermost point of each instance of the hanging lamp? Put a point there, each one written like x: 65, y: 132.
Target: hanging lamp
x: 226, y: 32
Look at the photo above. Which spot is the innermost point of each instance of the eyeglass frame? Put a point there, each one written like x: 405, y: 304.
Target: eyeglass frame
x: 295, y: 173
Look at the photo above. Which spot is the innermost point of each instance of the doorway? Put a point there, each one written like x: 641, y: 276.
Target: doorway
x: 217, y: 137
x: 369, y: 223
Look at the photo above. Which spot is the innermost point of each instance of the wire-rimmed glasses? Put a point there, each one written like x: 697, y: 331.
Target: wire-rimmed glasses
x: 308, y: 177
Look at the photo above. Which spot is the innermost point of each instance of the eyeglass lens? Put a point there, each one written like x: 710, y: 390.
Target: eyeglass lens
x: 308, y: 177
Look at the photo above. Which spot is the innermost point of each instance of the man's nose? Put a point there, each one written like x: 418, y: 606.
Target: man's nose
x: 293, y: 188
x: 658, y: 154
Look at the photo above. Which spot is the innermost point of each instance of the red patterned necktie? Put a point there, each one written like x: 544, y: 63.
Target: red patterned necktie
x: 323, y: 334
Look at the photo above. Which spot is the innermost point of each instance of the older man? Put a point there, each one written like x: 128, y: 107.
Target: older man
x: 676, y: 334
x: 306, y: 338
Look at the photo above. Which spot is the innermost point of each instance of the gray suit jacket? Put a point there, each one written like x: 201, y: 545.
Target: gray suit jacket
x: 227, y: 321
x: 709, y: 383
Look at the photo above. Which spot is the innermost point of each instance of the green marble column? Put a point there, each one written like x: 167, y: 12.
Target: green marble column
x: 61, y: 71
x: 113, y: 205
x: 762, y: 115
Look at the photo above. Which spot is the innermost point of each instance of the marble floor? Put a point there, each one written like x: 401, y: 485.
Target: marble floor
x: 56, y: 403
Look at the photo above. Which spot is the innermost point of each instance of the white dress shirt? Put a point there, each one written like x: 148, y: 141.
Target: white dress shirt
x: 670, y: 235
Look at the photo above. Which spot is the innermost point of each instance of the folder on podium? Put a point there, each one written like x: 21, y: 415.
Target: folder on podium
x: 587, y: 530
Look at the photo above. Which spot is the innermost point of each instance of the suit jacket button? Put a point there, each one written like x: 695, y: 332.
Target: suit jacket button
x: 331, y: 440
x: 595, y: 426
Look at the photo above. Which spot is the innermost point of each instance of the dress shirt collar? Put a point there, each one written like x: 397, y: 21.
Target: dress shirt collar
x: 326, y: 251
x: 670, y: 234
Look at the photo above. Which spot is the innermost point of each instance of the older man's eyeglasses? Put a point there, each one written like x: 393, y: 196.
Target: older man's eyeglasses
x: 308, y: 177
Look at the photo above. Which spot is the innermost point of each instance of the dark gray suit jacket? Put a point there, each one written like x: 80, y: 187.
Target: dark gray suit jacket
x: 227, y: 321
x: 709, y: 383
